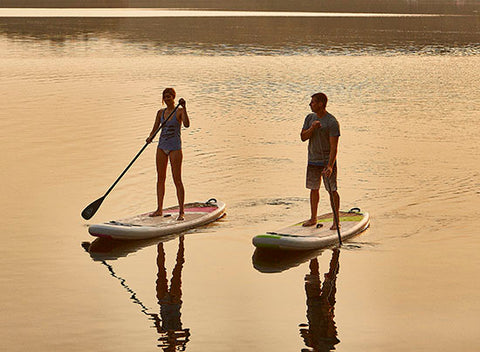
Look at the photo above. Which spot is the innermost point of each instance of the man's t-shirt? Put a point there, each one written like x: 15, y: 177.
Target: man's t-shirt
x: 319, y: 143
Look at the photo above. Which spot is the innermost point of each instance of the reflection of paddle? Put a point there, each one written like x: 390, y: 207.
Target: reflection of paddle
x: 91, y: 209
x: 320, y: 333
x: 168, y: 323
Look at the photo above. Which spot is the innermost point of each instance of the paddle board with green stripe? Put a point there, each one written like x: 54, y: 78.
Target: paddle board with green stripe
x: 298, y: 237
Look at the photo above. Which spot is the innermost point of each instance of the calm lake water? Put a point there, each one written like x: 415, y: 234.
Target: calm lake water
x: 79, y: 96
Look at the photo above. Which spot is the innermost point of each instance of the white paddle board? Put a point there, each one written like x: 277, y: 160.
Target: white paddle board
x: 298, y: 237
x: 144, y: 226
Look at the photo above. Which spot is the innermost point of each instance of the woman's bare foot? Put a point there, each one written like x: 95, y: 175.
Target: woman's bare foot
x: 181, y: 217
x: 155, y: 213
x: 310, y: 222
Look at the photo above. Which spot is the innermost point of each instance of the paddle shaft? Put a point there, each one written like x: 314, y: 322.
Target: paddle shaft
x: 141, y: 151
x: 90, y: 210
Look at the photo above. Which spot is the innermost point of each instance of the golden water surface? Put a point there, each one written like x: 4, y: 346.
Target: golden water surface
x: 78, y: 98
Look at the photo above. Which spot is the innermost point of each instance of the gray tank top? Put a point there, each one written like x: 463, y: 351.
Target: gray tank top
x: 170, y: 134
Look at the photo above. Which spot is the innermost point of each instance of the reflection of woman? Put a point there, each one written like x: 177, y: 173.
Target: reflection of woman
x: 320, y: 334
x: 170, y: 148
x: 168, y: 324
x: 170, y: 301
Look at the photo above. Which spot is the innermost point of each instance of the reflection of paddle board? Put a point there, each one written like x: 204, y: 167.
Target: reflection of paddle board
x: 297, y: 237
x: 270, y: 261
x: 143, y: 226
x: 109, y: 249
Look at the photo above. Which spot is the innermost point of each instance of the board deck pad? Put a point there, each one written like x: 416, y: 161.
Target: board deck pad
x: 143, y: 226
x: 324, y: 222
x: 299, y: 237
x: 192, y: 211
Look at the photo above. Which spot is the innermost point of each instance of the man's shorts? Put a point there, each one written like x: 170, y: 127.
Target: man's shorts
x: 314, y: 176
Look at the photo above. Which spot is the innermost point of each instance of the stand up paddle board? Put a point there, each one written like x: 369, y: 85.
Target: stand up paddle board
x: 298, y: 237
x: 143, y: 226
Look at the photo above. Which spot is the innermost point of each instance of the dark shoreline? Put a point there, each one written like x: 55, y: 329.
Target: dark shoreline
x: 240, y: 34
x: 367, y: 6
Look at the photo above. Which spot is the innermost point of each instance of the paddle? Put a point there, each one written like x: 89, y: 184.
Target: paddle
x: 92, y: 208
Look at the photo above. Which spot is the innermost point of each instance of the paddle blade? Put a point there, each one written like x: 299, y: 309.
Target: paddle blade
x: 90, y: 211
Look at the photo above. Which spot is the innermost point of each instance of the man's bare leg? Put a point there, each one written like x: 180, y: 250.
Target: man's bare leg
x: 314, y: 199
x: 336, y: 205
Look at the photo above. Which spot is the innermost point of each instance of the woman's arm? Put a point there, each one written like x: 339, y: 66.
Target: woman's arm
x: 155, y: 127
x: 185, y: 119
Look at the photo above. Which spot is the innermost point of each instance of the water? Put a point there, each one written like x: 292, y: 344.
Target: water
x: 79, y: 96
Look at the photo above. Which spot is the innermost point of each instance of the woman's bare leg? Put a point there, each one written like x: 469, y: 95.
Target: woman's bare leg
x: 176, y: 158
x: 161, y: 161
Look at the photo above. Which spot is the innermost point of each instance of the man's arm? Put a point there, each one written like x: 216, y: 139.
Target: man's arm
x: 307, y: 134
x: 332, y: 156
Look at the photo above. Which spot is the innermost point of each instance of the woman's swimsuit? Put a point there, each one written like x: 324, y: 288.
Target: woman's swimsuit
x: 170, y: 134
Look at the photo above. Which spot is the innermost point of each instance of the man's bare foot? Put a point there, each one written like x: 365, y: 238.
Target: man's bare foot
x: 310, y: 222
x: 334, y: 227
x: 155, y: 213
x: 180, y: 217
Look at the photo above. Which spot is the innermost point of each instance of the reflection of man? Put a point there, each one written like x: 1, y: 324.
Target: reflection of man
x: 170, y: 301
x: 320, y: 334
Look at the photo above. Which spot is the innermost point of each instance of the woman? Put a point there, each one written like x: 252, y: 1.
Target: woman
x: 170, y: 147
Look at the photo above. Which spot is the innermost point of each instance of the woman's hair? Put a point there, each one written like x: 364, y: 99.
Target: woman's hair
x: 168, y: 90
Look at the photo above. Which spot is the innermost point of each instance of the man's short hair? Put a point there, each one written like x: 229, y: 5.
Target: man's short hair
x: 320, y: 97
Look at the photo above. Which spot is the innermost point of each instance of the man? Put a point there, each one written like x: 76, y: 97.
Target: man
x: 322, y: 131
